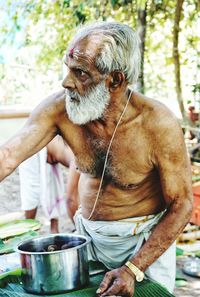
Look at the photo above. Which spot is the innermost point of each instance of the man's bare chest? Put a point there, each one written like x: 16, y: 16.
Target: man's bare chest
x: 126, y: 164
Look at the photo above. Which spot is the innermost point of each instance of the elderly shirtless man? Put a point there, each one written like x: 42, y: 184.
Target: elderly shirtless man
x: 135, y: 185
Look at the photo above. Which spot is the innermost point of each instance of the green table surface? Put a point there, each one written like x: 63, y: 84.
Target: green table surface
x: 146, y: 288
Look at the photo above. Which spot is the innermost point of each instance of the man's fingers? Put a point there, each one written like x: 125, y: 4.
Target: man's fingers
x: 105, y: 283
x: 115, y: 289
x: 116, y: 283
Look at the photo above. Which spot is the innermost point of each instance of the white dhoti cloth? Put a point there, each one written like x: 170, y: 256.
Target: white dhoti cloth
x: 114, y: 242
x: 42, y: 183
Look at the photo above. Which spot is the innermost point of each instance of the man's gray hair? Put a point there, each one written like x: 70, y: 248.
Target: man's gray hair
x: 119, y: 50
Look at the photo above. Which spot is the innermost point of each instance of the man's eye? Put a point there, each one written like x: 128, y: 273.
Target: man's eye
x: 81, y: 74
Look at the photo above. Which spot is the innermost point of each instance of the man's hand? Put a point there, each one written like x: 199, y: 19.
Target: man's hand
x: 118, y: 282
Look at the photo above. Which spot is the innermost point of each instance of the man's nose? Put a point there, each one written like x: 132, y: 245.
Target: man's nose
x: 68, y: 83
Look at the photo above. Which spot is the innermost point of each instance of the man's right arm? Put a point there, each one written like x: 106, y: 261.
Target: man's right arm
x: 40, y: 128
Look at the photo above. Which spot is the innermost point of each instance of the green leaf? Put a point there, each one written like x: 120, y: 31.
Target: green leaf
x: 179, y: 251
x: 13, y: 276
x: 9, y: 245
x: 18, y: 227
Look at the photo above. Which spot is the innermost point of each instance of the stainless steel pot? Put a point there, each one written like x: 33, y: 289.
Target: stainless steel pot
x: 54, y: 264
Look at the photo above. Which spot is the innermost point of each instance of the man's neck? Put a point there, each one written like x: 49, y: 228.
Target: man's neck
x: 112, y: 114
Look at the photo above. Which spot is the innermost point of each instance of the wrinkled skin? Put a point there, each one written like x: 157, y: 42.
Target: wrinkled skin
x: 118, y: 282
x: 148, y: 168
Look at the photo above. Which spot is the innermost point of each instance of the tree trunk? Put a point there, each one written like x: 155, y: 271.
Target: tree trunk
x: 141, y: 25
x: 176, y: 30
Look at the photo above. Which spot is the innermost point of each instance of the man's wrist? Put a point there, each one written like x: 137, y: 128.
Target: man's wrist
x: 139, y: 275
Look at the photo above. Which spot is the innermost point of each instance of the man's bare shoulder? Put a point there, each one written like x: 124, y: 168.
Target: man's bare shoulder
x: 160, y: 125
x: 51, y: 105
x: 156, y: 115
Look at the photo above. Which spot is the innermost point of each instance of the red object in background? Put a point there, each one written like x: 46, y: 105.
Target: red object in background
x: 195, y: 218
x: 193, y: 115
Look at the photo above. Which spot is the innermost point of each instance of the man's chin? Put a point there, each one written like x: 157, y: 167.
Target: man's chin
x: 78, y: 122
x: 82, y: 121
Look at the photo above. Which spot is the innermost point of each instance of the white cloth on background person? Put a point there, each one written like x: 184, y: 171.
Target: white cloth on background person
x: 42, y: 183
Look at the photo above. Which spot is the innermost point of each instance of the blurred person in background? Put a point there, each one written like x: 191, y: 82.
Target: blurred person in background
x: 42, y: 183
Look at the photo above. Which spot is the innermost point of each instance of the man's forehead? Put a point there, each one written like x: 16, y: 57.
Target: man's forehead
x: 87, y: 47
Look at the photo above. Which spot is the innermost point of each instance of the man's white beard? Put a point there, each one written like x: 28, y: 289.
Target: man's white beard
x: 87, y: 108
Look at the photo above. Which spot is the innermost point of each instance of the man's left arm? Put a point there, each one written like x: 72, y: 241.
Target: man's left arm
x: 170, y: 158
x: 172, y: 162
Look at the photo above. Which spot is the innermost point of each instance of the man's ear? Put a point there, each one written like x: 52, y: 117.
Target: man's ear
x: 117, y: 79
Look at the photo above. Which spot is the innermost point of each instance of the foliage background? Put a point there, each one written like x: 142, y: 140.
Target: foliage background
x: 35, y: 34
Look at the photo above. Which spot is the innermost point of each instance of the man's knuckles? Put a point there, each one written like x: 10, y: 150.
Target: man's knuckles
x: 109, y: 274
x: 119, y: 288
x: 120, y: 283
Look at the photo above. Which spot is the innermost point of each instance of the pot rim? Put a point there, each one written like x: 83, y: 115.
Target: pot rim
x: 87, y: 240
